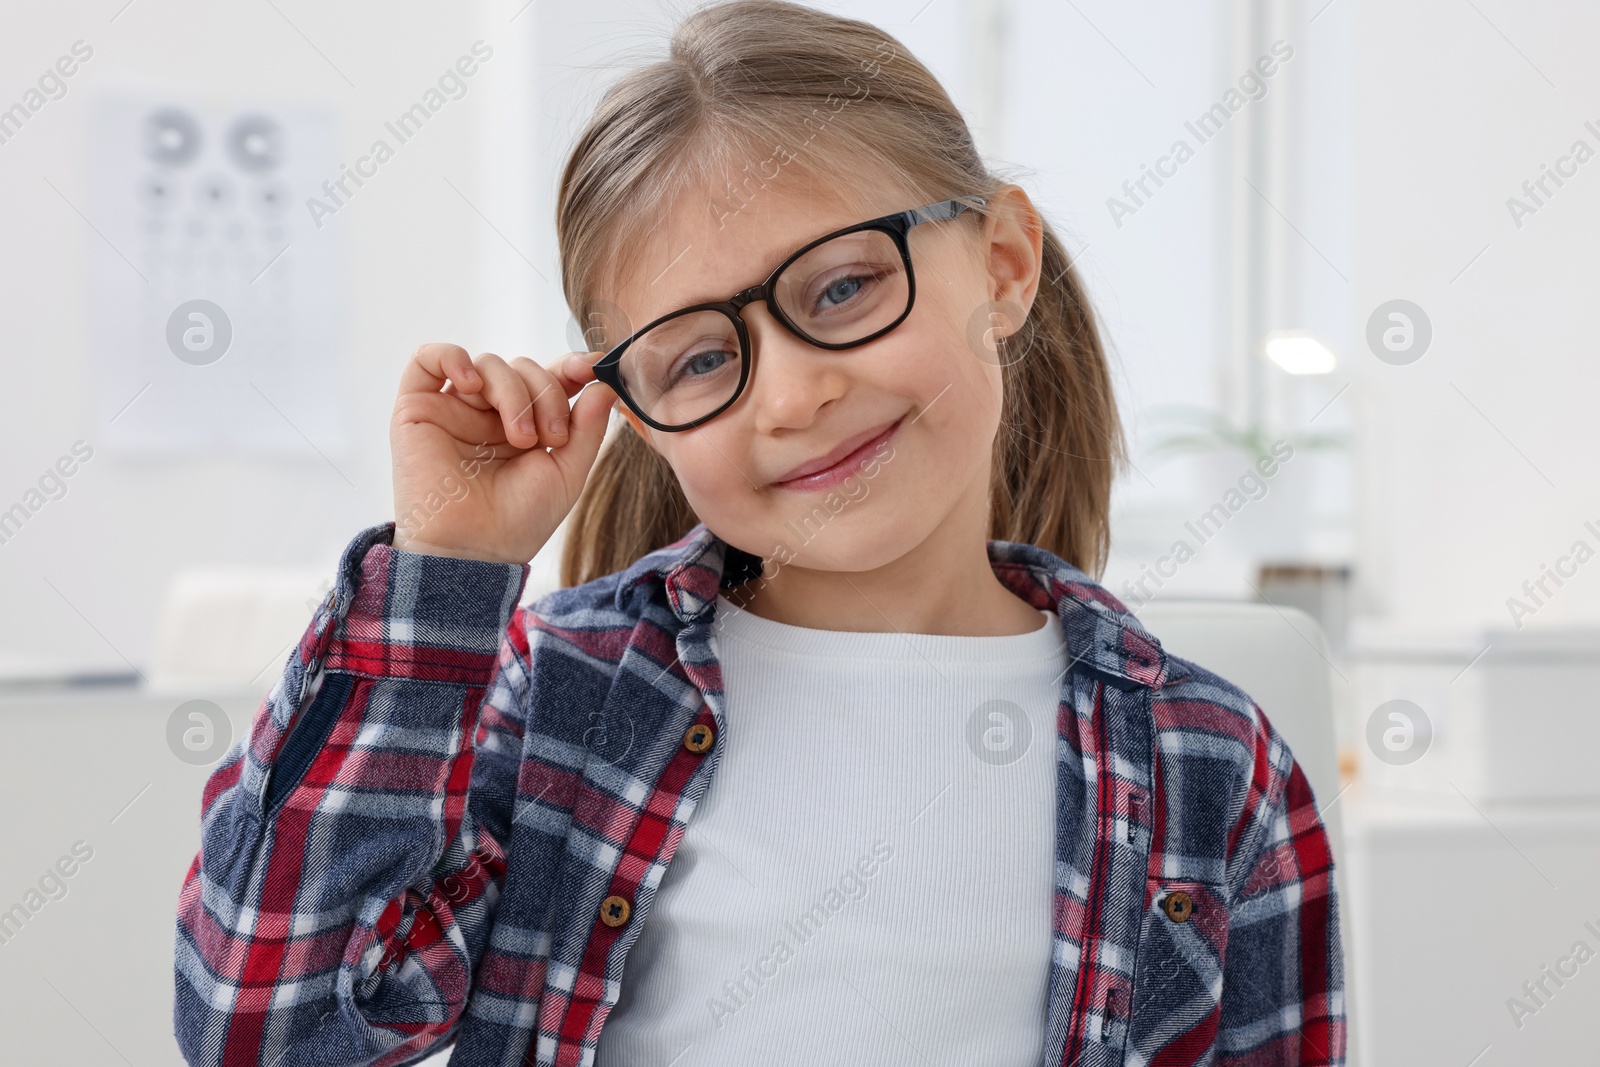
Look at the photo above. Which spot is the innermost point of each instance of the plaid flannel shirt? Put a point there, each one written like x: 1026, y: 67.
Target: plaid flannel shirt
x: 449, y: 817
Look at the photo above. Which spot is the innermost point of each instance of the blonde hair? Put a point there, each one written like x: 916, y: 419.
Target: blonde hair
x: 761, y: 80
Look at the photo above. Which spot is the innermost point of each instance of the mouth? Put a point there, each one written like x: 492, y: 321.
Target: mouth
x: 829, y: 470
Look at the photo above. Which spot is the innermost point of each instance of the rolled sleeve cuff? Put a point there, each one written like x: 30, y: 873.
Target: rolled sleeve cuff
x: 399, y: 614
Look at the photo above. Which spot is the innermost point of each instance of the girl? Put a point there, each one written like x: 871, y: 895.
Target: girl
x: 829, y: 749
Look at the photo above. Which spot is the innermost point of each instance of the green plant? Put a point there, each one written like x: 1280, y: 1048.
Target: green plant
x: 1190, y: 428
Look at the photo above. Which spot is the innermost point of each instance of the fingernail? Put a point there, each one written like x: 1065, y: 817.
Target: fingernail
x: 559, y: 427
x: 525, y: 424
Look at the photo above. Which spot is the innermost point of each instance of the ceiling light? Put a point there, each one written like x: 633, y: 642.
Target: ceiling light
x: 1297, y: 352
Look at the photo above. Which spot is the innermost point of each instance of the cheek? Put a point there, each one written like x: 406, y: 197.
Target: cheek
x: 960, y: 391
x: 706, y: 471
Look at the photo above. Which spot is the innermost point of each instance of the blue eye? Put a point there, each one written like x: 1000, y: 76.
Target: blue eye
x: 842, y: 290
x: 699, y: 365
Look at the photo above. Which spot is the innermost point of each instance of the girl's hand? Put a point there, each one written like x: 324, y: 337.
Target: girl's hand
x: 472, y: 475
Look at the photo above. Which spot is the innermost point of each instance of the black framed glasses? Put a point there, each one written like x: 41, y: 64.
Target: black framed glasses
x: 841, y: 290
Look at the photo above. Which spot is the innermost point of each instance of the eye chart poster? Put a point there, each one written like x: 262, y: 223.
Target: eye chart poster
x: 215, y: 296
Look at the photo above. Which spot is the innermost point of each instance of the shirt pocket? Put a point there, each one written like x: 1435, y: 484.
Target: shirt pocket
x: 1177, y: 975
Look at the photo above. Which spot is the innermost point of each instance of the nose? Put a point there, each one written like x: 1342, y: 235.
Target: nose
x: 790, y: 379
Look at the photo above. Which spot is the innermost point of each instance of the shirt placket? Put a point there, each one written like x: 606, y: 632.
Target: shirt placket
x: 1124, y: 824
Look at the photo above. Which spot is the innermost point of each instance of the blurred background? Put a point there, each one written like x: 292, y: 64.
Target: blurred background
x: 1341, y: 251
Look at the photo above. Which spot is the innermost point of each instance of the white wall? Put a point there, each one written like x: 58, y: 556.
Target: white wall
x: 414, y: 260
x: 1476, y: 461
x: 1187, y: 284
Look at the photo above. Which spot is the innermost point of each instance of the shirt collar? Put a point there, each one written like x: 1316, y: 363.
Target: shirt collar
x: 1101, y: 633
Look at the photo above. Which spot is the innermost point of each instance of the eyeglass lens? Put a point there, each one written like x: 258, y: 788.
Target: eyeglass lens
x: 839, y: 292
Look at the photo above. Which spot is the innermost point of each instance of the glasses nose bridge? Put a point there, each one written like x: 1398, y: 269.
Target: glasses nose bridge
x: 767, y: 293
x: 750, y: 295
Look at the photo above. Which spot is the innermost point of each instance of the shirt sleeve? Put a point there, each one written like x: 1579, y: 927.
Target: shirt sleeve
x: 1283, y: 977
x: 351, y: 850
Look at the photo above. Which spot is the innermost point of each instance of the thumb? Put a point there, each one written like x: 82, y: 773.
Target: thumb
x: 591, y: 414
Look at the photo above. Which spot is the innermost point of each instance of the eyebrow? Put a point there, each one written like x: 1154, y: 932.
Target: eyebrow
x: 707, y: 296
x: 766, y: 273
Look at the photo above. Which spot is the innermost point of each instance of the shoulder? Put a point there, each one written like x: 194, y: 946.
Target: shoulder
x: 1199, y: 711
x: 1220, y: 771
x: 1224, y: 768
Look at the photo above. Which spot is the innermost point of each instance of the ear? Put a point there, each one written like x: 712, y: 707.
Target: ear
x: 1014, y: 234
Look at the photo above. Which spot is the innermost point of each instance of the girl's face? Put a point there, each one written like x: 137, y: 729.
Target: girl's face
x: 925, y: 398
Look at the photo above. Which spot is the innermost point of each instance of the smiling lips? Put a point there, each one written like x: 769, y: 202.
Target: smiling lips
x: 831, y: 469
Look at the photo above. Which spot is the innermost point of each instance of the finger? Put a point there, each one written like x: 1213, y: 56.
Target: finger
x: 577, y: 368
x: 573, y: 371
x: 509, y: 393
x: 432, y: 364
x: 476, y: 399
x: 551, y: 410
x: 466, y: 424
x: 591, y: 414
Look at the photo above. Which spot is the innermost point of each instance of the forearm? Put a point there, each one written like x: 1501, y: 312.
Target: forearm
x: 345, y: 884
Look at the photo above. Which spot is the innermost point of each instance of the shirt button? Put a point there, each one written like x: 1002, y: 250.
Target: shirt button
x: 698, y: 738
x: 614, y: 910
x: 1178, y: 905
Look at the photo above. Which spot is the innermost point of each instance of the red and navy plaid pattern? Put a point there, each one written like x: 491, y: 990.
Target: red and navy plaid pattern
x: 421, y: 837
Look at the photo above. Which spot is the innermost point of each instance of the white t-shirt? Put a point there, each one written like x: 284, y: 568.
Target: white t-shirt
x: 870, y: 875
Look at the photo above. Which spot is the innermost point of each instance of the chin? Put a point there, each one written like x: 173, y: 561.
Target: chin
x: 809, y: 541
